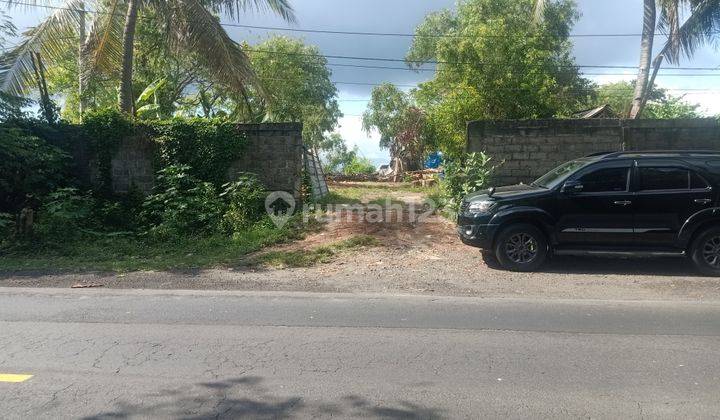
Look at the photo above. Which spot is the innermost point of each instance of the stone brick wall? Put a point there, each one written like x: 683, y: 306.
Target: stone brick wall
x: 530, y: 148
x: 273, y: 152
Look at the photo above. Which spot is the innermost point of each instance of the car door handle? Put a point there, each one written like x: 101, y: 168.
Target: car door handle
x: 622, y: 203
x: 703, y: 201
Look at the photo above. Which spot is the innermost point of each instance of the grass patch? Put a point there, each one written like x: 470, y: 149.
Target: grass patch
x: 123, y: 254
x: 319, y: 255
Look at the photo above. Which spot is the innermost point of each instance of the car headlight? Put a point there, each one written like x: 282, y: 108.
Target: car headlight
x: 480, y: 206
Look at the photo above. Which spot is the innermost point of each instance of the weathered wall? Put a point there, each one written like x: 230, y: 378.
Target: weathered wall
x: 273, y: 152
x: 530, y: 148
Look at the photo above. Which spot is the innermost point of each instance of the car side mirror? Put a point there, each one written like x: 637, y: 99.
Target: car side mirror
x: 572, y: 187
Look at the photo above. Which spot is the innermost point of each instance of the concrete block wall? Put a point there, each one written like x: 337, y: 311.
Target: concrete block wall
x: 527, y: 149
x: 274, y: 153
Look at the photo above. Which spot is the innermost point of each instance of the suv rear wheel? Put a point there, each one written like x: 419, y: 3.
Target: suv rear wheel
x: 521, y: 247
x: 705, y: 252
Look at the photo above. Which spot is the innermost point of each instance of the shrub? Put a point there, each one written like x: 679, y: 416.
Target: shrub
x: 207, y: 147
x: 7, y: 227
x: 359, y: 166
x: 181, y: 205
x: 29, y: 168
x: 64, y: 215
x: 245, y: 201
x: 466, y: 175
x: 104, y: 130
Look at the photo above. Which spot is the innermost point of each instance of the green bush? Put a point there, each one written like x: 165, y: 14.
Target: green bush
x: 182, y: 205
x: 29, y: 168
x: 64, y: 215
x: 466, y: 175
x: 359, y: 166
x: 104, y: 130
x: 7, y: 227
x: 245, y: 203
x: 207, y: 147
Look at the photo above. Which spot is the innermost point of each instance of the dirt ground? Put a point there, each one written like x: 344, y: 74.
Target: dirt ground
x: 423, y: 257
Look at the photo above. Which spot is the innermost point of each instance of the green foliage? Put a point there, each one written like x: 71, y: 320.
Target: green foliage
x: 104, y: 130
x: 298, y: 85
x: 335, y: 153
x: 359, y: 166
x: 464, y: 176
x: 504, y: 66
x: 29, y: 168
x: 181, y: 205
x: 11, y: 107
x: 65, y: 214
x: 7, y: 227
x: 319, y: 255
x: 660, y: 105
x: 245, y: 202
x: 208, y: 147
x: 401, y: 124
x: 671, y: 107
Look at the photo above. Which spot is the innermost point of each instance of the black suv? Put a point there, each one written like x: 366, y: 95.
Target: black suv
x: 657, y: 203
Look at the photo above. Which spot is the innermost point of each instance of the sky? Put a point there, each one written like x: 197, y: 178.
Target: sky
x: 402, y: 16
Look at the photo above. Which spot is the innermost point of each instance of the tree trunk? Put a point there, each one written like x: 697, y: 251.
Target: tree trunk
x: 126, y: 92
x: 81, y: 62
x: 646, y: 48
x: 657, y: 63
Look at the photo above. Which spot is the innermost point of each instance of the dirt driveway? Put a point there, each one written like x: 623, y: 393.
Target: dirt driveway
x: 416, y: 257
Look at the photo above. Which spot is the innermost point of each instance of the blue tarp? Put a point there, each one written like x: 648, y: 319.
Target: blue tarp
x: 434, y: 160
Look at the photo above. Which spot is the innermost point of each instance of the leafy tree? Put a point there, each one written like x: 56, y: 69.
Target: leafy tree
x: 495, y: 64
x: 296, y: 79
x: 335, y: 153
x: 108, y: 49
x: 359, y: 166
x: 660, y: 106
x: 401, y: 124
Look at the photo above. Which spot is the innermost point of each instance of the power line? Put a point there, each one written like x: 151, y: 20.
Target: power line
x: 382, y: 59
x: 358, y: 33
x: 362, y: 66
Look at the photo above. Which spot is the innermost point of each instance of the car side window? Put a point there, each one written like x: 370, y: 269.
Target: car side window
x: 697, y: 182
x: 605, y: 180
x: 654, y: 179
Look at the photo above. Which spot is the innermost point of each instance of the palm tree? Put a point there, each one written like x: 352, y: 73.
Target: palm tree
x: 700, y: 28
x: 190, y: 26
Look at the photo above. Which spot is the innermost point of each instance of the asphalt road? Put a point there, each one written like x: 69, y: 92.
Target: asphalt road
x: 160, y: 354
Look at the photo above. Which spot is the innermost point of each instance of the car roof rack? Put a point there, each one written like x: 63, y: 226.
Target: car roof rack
x: 655, y: 153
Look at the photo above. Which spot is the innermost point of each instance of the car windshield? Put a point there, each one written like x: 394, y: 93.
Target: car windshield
x: 558, y: 175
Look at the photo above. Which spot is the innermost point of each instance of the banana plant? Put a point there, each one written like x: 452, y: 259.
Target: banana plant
x: 149, y: 97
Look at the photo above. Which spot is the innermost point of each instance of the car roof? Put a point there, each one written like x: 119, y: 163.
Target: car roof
x: 656, y: 154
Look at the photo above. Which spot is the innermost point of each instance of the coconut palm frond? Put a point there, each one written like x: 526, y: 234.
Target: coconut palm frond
x: 103, y: 49
x: 195, y: 29
x: 235, y: 8
x: 51, y: 39
x: 7, y: 28
x: 700, y: 28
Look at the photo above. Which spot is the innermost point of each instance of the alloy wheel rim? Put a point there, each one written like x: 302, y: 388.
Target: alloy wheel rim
x: 522, y: 248
x: 711, y: 252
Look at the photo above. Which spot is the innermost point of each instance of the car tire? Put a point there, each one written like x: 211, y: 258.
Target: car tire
x: 705, y: 252
x: 521, y: 247
x: 490, y: 260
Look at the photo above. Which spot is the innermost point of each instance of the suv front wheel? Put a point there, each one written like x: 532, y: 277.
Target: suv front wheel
x: 705, y: 252
x: 521, y: 247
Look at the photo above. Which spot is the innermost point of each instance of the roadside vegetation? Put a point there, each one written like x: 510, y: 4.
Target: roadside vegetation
x: 314, y: 256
